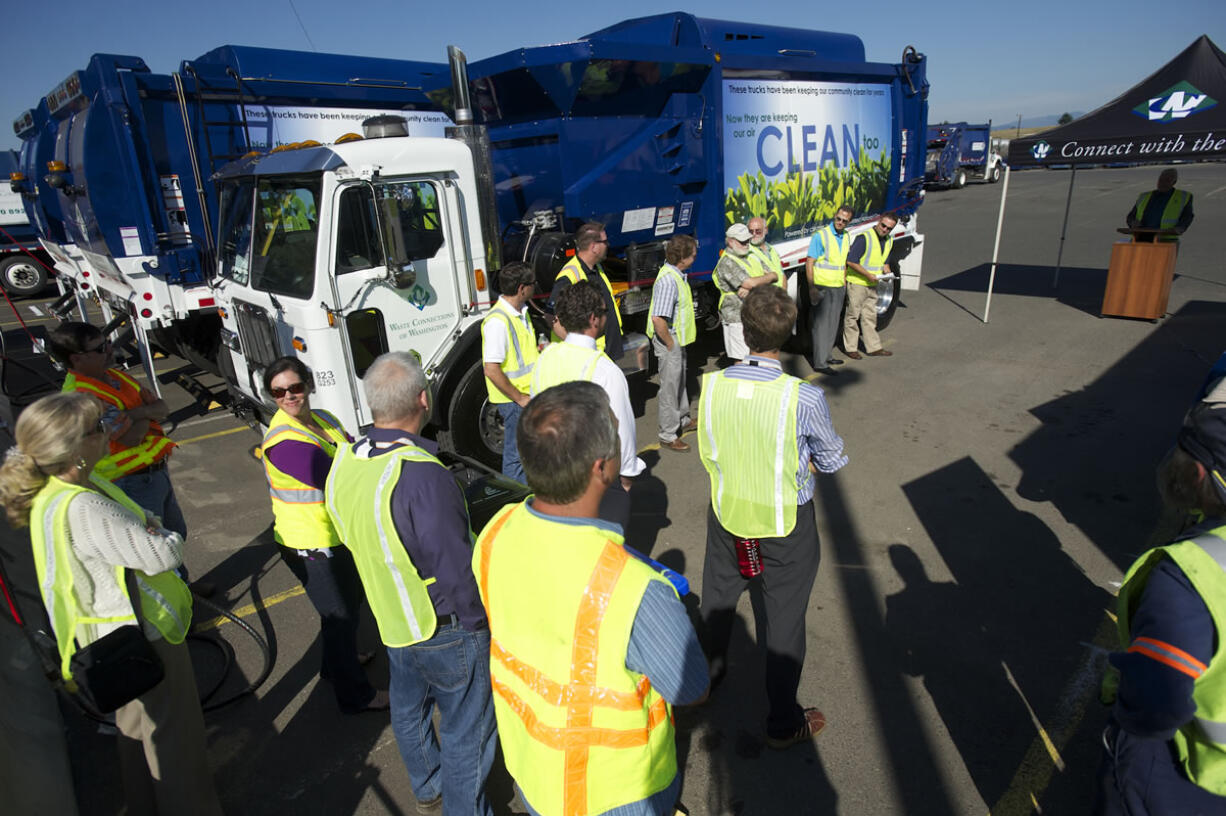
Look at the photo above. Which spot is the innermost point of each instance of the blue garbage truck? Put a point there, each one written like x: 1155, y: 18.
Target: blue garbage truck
x: 958, y: 152
x: 260, y: 202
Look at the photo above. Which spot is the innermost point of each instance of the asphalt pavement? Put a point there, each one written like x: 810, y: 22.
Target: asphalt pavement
x: 1000, y: 481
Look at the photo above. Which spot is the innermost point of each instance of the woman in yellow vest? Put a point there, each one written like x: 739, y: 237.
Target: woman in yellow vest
x: 85, y: 534
x: 297, y: 452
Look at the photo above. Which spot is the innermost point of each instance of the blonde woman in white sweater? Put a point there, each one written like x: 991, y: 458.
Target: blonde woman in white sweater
x: 85, y: 533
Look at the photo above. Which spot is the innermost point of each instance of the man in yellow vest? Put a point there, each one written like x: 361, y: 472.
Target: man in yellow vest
x: 403, y: 516
x: 582, y: 312
x: 591, y: 248
x: 1164, y: 208
x: 1165, y: 745
x: 139, y: 455
x: 671, y: 327
x: 826, y: 272
x: 590, y: 646
x: 767, y: 255
x: 735, y: 275
x: 867, y: 260
x: 759, y: 430
x: 508, y: 352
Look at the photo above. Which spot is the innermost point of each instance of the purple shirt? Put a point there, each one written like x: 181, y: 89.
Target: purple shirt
x: 303, y: 461
x: 431, y: 518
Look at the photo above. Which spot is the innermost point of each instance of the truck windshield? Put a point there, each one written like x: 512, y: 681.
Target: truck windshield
x: 286, y: 233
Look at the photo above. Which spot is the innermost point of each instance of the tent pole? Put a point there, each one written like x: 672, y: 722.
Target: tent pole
x: 1000, y: 222
x: 1064, y: 228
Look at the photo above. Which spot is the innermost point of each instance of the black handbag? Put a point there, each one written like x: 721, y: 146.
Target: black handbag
x: 118, y: 667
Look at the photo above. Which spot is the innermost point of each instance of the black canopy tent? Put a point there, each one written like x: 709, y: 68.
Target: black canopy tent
x: 1176, y: 114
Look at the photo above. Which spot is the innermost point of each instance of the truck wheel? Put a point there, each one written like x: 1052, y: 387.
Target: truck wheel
x: 994, y: 176
x: 22, y: 275
x: 887, y: 301
x: 476, y: 427
x: 959, y: 180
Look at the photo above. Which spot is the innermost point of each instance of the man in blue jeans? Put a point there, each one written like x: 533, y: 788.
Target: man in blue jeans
x: 403, y: 516
x: 508, y: 353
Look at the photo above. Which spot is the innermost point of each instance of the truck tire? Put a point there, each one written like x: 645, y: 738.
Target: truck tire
x: 23, y: 276
x: 959, y: 179
x: 994, y: 174
x: 888, y: 294
x: 476, y: 427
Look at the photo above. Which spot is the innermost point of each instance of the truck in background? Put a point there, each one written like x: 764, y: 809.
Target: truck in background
x: 958, y: 152
x: 24, y: 264
x: 204, y: 207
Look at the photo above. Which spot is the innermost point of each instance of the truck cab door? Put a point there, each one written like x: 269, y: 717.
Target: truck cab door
x: 395, y: 273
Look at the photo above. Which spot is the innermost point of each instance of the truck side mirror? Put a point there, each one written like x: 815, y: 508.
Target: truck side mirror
x: 402, y: 276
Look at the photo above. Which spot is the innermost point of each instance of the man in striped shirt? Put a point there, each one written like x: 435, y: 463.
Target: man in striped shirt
x: 762, y: 435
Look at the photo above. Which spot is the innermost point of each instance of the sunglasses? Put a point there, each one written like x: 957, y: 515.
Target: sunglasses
x: 99, y: 428
x: 101, y: 347
x: 293, y: 388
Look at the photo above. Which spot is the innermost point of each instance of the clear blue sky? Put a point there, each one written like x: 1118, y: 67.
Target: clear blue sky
x: 985, y: 60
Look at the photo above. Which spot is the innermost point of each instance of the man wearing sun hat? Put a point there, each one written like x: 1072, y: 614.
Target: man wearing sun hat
x: 1165, y: 745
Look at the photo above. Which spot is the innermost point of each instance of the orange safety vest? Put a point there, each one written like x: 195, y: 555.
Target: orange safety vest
x: 123, y: 460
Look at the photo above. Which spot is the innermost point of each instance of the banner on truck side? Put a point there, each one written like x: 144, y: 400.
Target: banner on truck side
x: 795, y: 151
x: 275, y: 126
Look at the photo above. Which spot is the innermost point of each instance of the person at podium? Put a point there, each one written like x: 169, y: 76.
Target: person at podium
x: 1165, y: 208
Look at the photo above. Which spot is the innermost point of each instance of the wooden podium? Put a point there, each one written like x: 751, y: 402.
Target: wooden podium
x: 1139, y: 276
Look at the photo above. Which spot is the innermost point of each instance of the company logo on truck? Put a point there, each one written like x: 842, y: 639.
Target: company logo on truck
x: 1176, y: 102
x: 1040, y: 150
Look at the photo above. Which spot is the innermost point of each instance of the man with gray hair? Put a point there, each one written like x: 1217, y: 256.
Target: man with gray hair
x: 736, y: 274
x: 591, y: 646
x: 402, y: 514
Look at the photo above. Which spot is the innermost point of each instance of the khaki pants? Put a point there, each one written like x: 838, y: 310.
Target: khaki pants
x: 861, y: 317
x: 161, y: 744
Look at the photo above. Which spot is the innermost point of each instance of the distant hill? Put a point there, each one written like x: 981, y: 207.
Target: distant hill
x: 1050, y: 120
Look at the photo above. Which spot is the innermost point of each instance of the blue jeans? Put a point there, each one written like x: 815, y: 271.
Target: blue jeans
x: 152, y: 490
x: 452, y: 670
x: 511, y: 466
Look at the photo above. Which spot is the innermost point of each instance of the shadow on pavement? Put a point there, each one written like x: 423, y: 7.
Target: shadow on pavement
x: 990, y: 643
x: 1080, y: 287
x: 912, y: 765
x: 1096, y: 454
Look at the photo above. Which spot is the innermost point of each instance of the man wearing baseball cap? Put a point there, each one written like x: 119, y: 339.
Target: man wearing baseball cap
x: 1165, y: 745
x: 735, y: 275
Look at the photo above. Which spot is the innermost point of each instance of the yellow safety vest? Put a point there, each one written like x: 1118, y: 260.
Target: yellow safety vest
x: 300, y: 520
x: 769, y: 258
x: 564, y: 362
x: 122, y: 459
x: 573, y: 272
x: 522, y: 352
x: 580, y: 732
x: 684, y: 328
x: 1170, y: 213
x: 1201, y: 743
x: 831, y: 268
x: 744, y: 263
x: 359, y: 499
x: 165, y: 600
x: 747, y: 442
x: 874, y: 258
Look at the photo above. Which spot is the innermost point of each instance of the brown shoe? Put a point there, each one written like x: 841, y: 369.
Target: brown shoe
x: 676, y: 445
x: 814, y: 722
x: 692, y: 425
x: 853, y: 355
x: 881, y: 353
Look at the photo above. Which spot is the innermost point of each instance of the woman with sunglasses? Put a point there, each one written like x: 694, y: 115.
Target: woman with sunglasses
x: 86, y: 534
x: 297, y: 452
